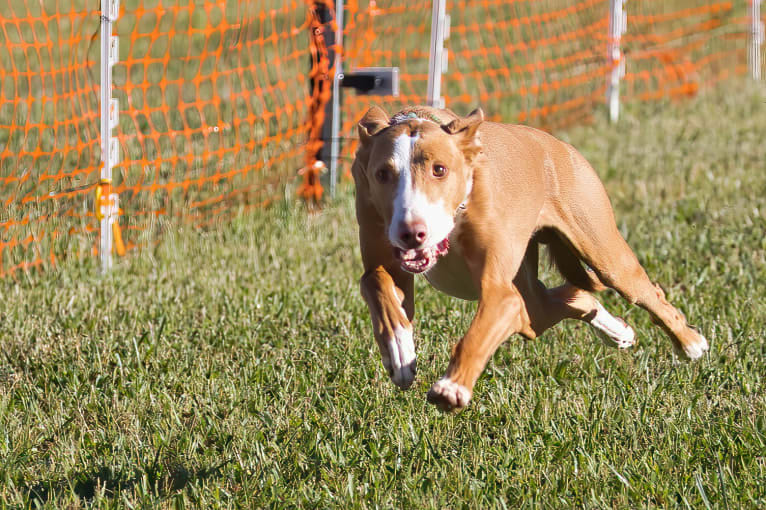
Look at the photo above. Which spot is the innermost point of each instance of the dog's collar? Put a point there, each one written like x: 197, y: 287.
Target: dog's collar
x: 460, y: 209
x: 404, y: 117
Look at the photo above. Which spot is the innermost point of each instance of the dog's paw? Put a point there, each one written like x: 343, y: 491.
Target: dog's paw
x: 398, y: 356
x: 613, y: 331
x: 448, y: 395
x: 694, y: 347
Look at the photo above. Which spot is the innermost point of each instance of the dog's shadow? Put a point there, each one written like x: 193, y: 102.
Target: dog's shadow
x: 163, y: 480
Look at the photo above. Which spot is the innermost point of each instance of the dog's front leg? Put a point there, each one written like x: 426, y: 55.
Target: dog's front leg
x: 500, y: 314
x: 391, y: 324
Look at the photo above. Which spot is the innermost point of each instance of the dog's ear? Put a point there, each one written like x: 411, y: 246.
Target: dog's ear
x: 467, y: 129
x: 374, y: 121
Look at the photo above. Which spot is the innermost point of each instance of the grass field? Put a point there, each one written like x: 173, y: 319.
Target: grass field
x: 236, y: 368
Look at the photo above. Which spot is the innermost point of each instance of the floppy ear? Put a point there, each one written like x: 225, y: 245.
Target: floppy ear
x: 374, y: 121
x: 466, y: 129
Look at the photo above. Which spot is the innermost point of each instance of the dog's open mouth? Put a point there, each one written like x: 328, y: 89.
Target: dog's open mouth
x: 417, y: 261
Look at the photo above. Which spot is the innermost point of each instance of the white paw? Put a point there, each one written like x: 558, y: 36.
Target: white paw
x: 695, y: 350
x: 615, y: 331
x: 448, y: 395
x: 398, y: 355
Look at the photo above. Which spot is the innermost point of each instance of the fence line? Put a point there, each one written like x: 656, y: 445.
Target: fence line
x: 221, y: 102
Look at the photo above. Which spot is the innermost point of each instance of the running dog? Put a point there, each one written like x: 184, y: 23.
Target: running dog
x: 466, y: 202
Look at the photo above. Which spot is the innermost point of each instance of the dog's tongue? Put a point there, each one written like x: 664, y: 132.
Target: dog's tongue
x: 443, y: 247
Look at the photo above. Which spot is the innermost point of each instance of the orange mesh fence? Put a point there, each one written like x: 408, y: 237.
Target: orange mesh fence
x: 222, y: 102
x: 49, y: 132
x: 674, y: 48
x: 546, y: 68
x: 544, y: 62
x: 536, y: 62
x: 216, y: 113
x: 214, y: 100
x: 389, y: 33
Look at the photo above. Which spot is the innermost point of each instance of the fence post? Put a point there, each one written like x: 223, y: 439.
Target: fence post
x: 322, y: 46
x: 106, y: 205
x: 617, y: 26
x: 437, y: 63
x: 327, y: 46
x: 325, y: 76
x: 335, y: 106
x: 756, y: 39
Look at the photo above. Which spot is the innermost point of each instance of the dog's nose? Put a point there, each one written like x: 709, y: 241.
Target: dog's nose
x: 413, y: 234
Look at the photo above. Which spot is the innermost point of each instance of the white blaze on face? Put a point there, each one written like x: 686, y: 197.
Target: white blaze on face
x: 411, y: 204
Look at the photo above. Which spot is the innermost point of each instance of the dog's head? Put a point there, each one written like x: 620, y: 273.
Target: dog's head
x: 417, y: 172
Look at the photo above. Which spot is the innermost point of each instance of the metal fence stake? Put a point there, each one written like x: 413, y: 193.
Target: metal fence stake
x: 106, y: 206
x: 437, y: 63
x: 617, y: 26
x: 756, y: 39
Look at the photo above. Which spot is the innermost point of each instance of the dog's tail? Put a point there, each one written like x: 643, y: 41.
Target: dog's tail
x: 570, y: 267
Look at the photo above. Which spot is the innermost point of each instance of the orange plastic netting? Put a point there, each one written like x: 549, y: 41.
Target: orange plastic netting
x: 222, y: 102
x: 545, y: 62
x: 49, y: 131
x: 214, y: 101
x: 215, y: 112
x: 675, y: 48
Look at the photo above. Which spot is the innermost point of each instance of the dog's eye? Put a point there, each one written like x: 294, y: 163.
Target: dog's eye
x: 439, y: 170
x: 382, y: 175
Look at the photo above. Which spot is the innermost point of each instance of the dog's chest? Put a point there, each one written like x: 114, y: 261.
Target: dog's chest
x: 451, y: 276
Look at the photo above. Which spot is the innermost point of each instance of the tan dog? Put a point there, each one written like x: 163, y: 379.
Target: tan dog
x: 466, y: 203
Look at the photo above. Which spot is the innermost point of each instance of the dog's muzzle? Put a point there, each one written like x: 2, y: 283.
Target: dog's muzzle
x: 423, y: 259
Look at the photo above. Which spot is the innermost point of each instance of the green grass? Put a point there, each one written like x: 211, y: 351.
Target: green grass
x: 236, y: 368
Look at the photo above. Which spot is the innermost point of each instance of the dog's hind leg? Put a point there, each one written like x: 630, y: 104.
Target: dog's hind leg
x: 619, y: 269
x: 587, y: 221
x: 570, y: 302
x: 547, y: 307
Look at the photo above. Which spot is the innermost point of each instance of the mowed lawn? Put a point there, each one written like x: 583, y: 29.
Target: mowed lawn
x: 236, y: 368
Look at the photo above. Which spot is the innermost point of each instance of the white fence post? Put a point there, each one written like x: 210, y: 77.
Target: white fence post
x: 437, y: 64
x: 756, y: 39
x: 106, y: 201
x: 336, y: 85
x: 617, y: 26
